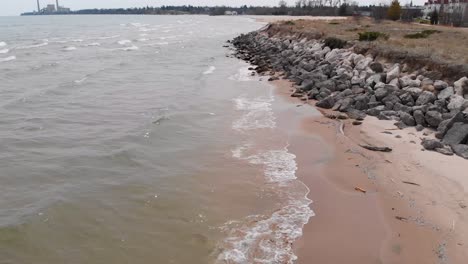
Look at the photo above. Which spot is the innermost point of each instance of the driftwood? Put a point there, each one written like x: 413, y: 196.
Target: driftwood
x: 412, y: 183
x: 401, y: 218
x: 374, y: 148
x: 360, y: 189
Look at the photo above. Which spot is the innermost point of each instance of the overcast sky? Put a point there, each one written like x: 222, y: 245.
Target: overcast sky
x: 15, y: 7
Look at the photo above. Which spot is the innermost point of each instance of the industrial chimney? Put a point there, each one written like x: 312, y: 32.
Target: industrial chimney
x: 38, y: 7
x: 57, y: 5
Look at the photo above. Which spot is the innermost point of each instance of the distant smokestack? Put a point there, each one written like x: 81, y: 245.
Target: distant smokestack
x: 57, y: 5
x: 38, y: 7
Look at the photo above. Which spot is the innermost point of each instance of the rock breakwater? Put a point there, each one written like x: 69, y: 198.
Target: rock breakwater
x: 359, y: 85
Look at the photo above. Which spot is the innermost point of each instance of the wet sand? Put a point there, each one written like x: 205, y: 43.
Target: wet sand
x: 393, y: 221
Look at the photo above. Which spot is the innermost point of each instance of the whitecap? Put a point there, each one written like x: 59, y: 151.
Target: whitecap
x: 33, y: 46
x: 142, y: 39
x: 124, y: 42
x: 210, y: 70
x: 131, y: 48
x: 243, y: 75
x: 80, y: 80
x: 94, y: 44
x: 2, y: 44
x: 3, y: 51
x: 8, y: 59
x: 109, y: 37
x: 71, y: 48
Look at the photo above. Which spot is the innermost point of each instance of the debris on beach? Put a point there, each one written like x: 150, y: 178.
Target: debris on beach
x: 375, y: 148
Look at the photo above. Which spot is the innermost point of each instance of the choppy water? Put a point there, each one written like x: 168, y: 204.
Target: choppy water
x: 135, y: 139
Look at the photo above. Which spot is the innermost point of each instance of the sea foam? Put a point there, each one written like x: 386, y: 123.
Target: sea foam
x: 269, y: 238
x: 8, y: 59
x: 3, y: 51
x: 210, y: 70
x: 2, y: 44
x: 258, y: 113
x: 33, y: 46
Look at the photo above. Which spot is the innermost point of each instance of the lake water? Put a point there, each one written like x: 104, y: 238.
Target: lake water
x: 138, y: 139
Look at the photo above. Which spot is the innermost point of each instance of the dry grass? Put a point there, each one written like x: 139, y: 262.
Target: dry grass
x: 450, y: 45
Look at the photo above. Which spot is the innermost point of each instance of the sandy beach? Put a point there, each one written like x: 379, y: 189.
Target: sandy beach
x: 405, y: 206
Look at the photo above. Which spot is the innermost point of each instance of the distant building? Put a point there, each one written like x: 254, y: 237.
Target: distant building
x: 230, y: 13
x: 50, y: 9
x: 451, y: 12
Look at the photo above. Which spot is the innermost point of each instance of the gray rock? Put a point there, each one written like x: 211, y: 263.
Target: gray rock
x: 356, y: 114
x: 388, y: 115
x: 445, y: 151
x: 440, y: 85
x: 407, y: 99
x: 346, y: 104
x: 380, y: 93
x: 431, y: 144
x: 393, y: 73
x: 379, y: 85
x: 404, y: 108
x: 407, y: 118
x: 433, y: 118
x: 419, y: 128
x: 461, y: 86
x: 374, y: 79
x: 446, y: 93
x: 419, y: 117
x: 376, y: 67
x: 456, y: 102
x: 407, y: 81
x: 425, y: 98
x: 457, y: 134
x: 460, y: 150
x: 326, y: 103
x: 375, y: 111
x: 361, y: 101
x: 414, y: 91
x: 391, y: 98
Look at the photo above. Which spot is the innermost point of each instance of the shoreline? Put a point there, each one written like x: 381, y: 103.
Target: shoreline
x: 364, y: 226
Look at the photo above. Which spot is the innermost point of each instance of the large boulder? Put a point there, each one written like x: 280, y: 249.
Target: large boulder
x: 393, y: 73
x: 456, y: 102
x: 433, y: 118
x: 419, y: 117
x: 425, y: 98
x: 457, y: 134
x: 414, y: 91
x: 380, y: 93
x: 376, y: 67
x: 431, y: 144
x: 446, y: 93
x: 326, y: 103
x: 409, y: 81
x: 440, y: 85
x: 460, y: 150
x: 375, y: 111
x: 461, y: 86
x: 407, y: 118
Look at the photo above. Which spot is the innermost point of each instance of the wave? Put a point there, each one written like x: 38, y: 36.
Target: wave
x: 94, y: 44
x: 71, y: 48
x: 8, y: 59
x: 4, y: 51
x: 258, y: 113
x: 210, y: 70
x: 2, y: 44
x: 124, y: 42
x: 109, y: 37
x: 131, y: 48
x: 243, y: 75
x: 269, y: 239
x: 33, y: 46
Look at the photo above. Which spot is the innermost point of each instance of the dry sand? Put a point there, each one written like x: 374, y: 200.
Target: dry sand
x: 393, y: 221
x: 270, y: 19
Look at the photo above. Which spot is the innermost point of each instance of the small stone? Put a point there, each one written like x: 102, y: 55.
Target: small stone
x: 445, y: 150
x: 357, y: 123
